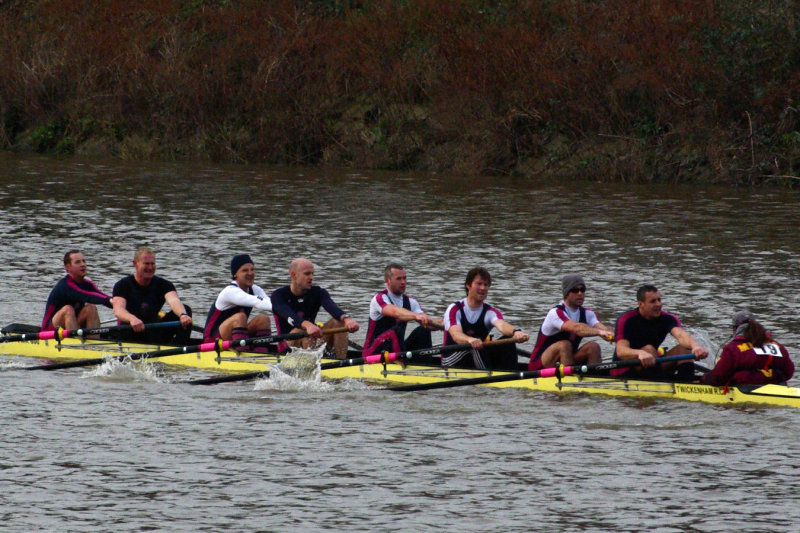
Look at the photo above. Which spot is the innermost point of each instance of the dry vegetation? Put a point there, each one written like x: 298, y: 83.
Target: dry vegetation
x: 631, y: 90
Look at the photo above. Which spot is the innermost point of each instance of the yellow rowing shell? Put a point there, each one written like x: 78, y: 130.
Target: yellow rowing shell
x: 230, y: 362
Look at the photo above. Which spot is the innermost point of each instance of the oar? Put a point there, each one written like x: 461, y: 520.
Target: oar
x: 560, y: 371
x: 204, y: 347
x: 59, y: 334
x: 388, y: 357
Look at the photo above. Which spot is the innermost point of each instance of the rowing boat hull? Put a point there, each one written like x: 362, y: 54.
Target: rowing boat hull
x: 775, y: 395
x: 227, y: 361
x: 233, y: 362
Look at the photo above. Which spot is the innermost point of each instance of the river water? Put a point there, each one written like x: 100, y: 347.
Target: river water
x: 119, y: 449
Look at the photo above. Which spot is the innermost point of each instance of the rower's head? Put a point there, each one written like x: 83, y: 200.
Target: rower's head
x: 75, y: 265
x: 301, y: 270
x: 741, y: 317
x: 395, y: 276
x: 243, y: 270
x: 477, y: 283
x: 648, y: 298
x: 144, y: 264
x: 746, y: 326
x: 573, y: 289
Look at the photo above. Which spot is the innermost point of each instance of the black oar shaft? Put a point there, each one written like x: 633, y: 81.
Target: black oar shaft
x: 253, y: 341
x: 531, y: 374
x: 81, y: 332
x: 230, y: 378
x: 132, y: 357
x: 344, y: 362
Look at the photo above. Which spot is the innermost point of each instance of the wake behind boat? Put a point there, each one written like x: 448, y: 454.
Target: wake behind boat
x: 390, y: 372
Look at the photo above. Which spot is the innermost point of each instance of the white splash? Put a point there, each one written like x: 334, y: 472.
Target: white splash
x: 298, y: 371
x: 127, y: 370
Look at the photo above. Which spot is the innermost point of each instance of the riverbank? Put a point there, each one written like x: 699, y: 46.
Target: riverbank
x: 614, y: 90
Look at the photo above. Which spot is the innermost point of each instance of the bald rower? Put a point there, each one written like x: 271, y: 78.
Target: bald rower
x: 295, y: 309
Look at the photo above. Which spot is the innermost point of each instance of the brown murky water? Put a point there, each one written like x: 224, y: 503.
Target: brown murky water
x: 134, y: 451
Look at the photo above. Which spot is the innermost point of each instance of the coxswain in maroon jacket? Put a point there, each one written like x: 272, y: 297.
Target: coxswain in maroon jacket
x: 752, y: 357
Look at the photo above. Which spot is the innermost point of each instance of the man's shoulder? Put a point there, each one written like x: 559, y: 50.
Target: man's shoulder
x: 669, y: 317
x: 281, y: 291
x: 630, y: 314
x: 454, y: 306
x: 381, y: 296
x: 125, y: 281
x: 230, y: 287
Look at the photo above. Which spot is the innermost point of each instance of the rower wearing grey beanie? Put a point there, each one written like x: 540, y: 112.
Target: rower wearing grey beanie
x: 565, y: 325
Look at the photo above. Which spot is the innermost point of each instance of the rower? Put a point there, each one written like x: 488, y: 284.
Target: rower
x: 469, y: 321
x: 753, y: 357
x: 295, y: 309
x: 228, y: 317
x: 390, y: 311
x: 73, y: 301
x: 640, y: 332
x: 565, y: 326
x: 138, y: 298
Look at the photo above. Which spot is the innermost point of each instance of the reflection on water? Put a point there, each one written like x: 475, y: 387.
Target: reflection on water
x: 130, y: 452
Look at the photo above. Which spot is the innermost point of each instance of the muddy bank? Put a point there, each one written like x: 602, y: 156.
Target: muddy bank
x: 611, y: 90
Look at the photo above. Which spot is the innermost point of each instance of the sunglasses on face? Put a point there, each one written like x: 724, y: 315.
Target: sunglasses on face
x: 576, y: 290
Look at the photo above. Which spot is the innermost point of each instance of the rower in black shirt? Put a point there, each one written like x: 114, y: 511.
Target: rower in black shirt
x: 295, y: 309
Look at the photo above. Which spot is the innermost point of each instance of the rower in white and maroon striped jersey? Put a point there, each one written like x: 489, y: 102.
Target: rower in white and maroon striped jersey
x: 390, y: 311
x: 470, y: 320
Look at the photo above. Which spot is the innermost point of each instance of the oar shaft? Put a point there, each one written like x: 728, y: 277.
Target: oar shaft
x: 204, y: 347
x: 230, y: 378
x: 269, y: 339
x: 445, y: 348
x: 81, y: 332
x: 265, y: 373
x: 531, y: 374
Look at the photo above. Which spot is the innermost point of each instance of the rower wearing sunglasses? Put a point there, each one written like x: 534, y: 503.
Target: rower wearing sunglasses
x: 564, y: 328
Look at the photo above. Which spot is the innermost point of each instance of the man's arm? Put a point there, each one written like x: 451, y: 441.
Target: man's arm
x: 330, y: 306
x: 624, y: 351
x: 507, y: 329
x: 178, y: 308
x: 235, y: 296
x: 121, y: 312
x: 459, y: 337
x: 75, y: 293
x: 585, y: 330
x: 406, y: 315
x: 684, y: 339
